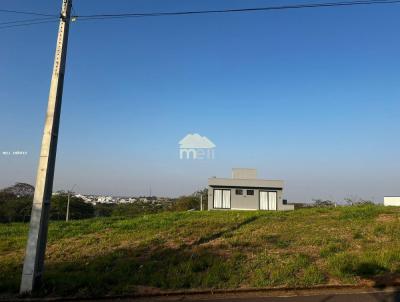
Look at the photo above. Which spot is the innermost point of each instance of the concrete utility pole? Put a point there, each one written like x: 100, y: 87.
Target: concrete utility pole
x: 201, y: 202
x: 67, y: 216
x: 36, y: 245
x: 69, y: 196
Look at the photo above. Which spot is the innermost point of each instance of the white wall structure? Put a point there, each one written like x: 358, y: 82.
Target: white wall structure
x: 244, y: 191
x: 391, y: 200
x: 241, y: 173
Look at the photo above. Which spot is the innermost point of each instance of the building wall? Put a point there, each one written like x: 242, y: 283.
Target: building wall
x: 210, y: 198
x: 285, y: 207
x: 245, y: 183
x: 244, y: 202
x: 391, y: 201
x: 248, y: 202
x: 240, y: 173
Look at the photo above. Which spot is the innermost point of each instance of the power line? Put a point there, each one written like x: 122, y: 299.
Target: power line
x: 238, y: 10
x: 26, y: 13
x: 27, y: 20
x: 28, y: 24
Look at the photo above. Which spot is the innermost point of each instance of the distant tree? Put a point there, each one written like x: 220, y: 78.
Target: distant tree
x: 202, y: 193
x: 323, y: 203
x: 78, y: 209
x: 103, y: 210
x: 363, y: 202
x: 349, y: 201
x: 13, y: 208
x: 355, y: 200
x: 132, y: 210
x: 301, y: 205
x: 185, y: 203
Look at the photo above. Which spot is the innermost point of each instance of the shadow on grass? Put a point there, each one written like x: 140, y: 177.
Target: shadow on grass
x: 385, y: 280
x: 217, y: 235
x: 149, y: 268
x: 123, y: 270
x: 127, y: 271
x: 374, y: 275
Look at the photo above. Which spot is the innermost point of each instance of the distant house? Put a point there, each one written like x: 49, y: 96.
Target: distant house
x: 245, y: 192
x: 391, y: 200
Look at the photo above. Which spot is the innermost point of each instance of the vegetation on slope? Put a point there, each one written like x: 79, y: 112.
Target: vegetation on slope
x: 182, y: 250
x: 17, y: 208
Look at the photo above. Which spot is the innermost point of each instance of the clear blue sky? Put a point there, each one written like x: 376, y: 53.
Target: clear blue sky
x: 308, y: 96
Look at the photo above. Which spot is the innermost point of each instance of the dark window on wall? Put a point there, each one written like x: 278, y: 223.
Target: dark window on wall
x: 239, y: 192
x: 250, y: 192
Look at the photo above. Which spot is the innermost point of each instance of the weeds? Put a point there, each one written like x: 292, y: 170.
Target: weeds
x: 181, y: 250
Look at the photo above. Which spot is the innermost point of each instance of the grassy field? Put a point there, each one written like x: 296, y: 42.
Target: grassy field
x: 202, y: 250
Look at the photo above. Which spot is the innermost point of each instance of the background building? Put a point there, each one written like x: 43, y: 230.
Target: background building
x: 391, y: 200
x: 245, y: 192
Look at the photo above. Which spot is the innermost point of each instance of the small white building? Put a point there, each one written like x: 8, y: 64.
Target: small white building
x: 391, y: 200
x: 244, y: 191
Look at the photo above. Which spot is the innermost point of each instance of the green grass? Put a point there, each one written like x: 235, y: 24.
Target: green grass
x: 210, y: 250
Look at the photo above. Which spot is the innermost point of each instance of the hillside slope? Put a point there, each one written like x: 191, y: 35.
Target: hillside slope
x: 184, y: 250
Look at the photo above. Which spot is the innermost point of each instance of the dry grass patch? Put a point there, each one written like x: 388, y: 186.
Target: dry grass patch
x: 211, y: 250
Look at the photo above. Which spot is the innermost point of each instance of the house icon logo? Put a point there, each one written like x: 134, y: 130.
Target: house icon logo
x: 195, y: 146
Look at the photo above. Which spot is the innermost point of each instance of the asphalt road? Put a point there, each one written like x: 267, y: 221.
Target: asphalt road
x: 388, y: 295
x: 367, y: 297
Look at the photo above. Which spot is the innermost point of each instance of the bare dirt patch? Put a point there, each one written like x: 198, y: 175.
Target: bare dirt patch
x: 386, y: 218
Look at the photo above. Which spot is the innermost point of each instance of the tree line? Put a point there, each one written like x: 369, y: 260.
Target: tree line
x: 18, y: 209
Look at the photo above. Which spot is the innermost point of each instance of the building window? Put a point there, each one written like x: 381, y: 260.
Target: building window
x: 239, y: 192
x: 250, y: 192
x: 222, y: 199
